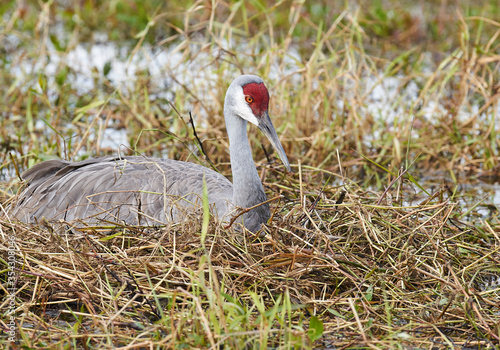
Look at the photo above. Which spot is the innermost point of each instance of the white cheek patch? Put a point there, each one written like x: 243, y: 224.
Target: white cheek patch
x: 243, y: 109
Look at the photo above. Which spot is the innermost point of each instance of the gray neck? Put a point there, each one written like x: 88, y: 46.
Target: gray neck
x: 247, y: 187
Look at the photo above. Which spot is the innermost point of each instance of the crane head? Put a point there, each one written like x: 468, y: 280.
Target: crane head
x: 248, y: 98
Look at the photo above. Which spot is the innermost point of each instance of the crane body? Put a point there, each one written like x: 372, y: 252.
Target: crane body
x: 139, y: 190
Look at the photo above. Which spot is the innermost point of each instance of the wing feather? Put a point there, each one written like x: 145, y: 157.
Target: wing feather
x: 128, y: 189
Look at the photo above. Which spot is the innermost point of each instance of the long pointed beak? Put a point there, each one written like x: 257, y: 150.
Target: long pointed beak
x: 266, y: 126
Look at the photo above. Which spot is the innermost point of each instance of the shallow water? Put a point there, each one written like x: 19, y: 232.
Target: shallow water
x: 481, y: 198
x: 89, y: 62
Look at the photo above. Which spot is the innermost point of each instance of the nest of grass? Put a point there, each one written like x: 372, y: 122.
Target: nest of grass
x: 336, y: 268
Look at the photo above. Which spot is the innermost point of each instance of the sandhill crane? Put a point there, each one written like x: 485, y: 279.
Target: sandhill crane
x: 149, y: 191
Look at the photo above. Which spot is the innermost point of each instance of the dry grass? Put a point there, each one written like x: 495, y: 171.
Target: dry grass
x: 357, y: 251
x: 376, y: 275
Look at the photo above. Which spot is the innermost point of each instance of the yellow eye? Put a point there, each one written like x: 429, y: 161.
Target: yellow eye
x: 249, y: 99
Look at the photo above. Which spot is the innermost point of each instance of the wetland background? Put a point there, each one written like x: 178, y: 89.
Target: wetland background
x: 386, y: 233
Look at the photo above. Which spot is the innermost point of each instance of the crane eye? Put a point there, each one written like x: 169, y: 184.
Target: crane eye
x: 249, y: 99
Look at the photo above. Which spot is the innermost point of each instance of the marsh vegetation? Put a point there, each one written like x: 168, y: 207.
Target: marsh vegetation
x: 385, y: 235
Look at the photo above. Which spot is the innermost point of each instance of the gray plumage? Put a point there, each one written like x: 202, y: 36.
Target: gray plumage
x: 150, y: 191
